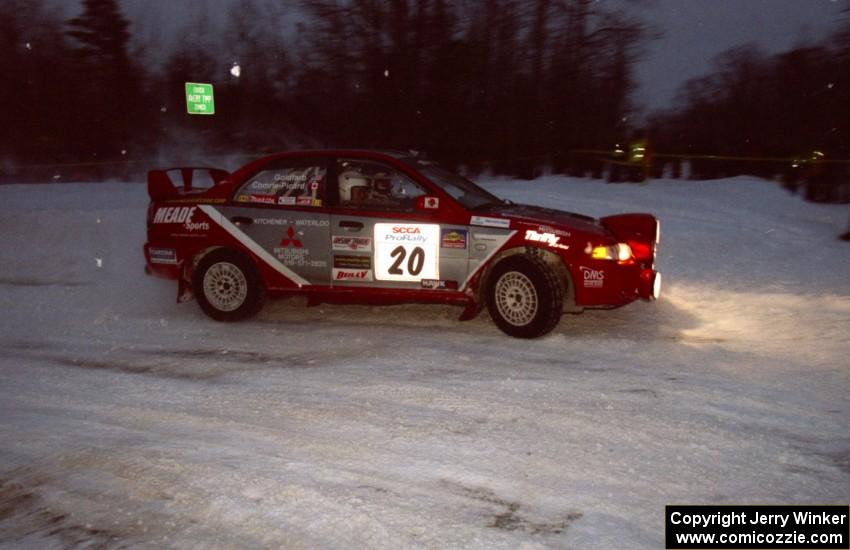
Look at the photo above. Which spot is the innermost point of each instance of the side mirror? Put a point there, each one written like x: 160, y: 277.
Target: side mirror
x: 426, y: 202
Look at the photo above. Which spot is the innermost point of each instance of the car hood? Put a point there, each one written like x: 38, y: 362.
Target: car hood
x: 548, y: 216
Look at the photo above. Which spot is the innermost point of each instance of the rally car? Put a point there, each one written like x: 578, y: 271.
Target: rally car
x: 351, y: 226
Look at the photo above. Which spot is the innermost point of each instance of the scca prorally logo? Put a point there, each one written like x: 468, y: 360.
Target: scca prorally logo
x: 592, y: 277
x: 182, y: 215
x: 406, y: 233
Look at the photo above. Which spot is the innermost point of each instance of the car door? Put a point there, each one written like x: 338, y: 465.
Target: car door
x: 282, y: 210
x: 386, y: 231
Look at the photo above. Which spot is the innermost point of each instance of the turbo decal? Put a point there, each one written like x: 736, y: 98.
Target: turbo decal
x: 216, y: 217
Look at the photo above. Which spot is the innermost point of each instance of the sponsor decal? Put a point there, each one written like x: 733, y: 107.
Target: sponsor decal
x: 432, y: 203
x: 290, y: 240
x: 263, y: 199
x: 271, y: 221
x: 555, y: 230
x: 352, y: 274
x: 547, y: 238
x: 490, y: 222
x: 453, y: 238
x: 394, y: 233
x: 439, y: 284
x: 407, y: 251
x: 286, y: 201
x: 351, y: 243
x: 593, y: 278
x: 353, y: 262
x: 243, y: 198
x: 181, y: 215
x: 313, y: 223
x: 163, y: 255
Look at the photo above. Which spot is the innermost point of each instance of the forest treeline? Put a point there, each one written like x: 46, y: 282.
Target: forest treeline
x: 501, y: 83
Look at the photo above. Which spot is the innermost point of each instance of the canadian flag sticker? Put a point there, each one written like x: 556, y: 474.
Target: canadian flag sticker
x: 432, y: 202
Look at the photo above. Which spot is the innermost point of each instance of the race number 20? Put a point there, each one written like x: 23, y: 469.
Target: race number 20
x: 407, y: 252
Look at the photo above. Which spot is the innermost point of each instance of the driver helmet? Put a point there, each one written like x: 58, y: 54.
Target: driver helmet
x: 349, y: 181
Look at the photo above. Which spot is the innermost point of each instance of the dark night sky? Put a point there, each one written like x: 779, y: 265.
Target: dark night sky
x: 694, y: 31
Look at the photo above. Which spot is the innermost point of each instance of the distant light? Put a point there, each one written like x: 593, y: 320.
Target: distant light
x: 831, y: 85
x: 28, y: 46
x: 236, y: 70
x: 123, y: 151
x: 99, y: 262
x: 163, y: 108
x: 386, y: 72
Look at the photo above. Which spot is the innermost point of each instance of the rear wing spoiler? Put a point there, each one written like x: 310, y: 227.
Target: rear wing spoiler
x: 169, y: 183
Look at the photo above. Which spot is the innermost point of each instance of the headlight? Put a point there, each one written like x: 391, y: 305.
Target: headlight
x: 619, y: 251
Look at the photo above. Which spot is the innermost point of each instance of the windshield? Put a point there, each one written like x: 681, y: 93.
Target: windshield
x: 465, y: 191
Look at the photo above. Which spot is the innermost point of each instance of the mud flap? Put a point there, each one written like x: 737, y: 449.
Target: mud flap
x: 471, y: 311
x: 184, y: 289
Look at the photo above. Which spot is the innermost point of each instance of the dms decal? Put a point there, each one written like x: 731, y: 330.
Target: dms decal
x: 453, y: 238
x: 182, y: 215
x: 593, y: 278
x: 352, y: 274
x: 490, y: 222
x: 163, y: 255
x: 547, y: 238
x: 353, y: 262
x: 351, y: 243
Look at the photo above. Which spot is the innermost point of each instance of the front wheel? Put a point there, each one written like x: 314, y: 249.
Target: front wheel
x: 525, y: 296
x: 227, y: 286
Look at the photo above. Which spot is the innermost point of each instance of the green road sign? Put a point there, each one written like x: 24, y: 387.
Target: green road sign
x: 199, y: 99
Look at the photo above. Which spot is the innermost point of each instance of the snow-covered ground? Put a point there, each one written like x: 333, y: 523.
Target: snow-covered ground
x: 126, y: 419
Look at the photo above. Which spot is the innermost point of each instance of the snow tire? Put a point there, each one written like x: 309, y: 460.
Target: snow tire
x: 525, y: 296
x: 227, y: 286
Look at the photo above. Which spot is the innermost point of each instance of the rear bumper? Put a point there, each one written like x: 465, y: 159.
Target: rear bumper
x: 650, y: 284
x: 161, y: 262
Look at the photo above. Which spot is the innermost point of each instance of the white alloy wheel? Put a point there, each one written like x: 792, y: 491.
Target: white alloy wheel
x: 516, y: 298
x: 225, y: 286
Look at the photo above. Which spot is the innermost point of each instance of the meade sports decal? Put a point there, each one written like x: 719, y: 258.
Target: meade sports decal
x: 453, y: 238
x: 593, y: 278
x: 182, y: 215
x: 340, y: 242
x: 407, y: 251
x: 352, y: 274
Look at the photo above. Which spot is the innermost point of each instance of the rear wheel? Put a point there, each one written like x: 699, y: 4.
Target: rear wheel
x: 525, y: 296
x: 227, y: 286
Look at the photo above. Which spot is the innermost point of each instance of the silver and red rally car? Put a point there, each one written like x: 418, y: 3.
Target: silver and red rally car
x: 350, y: 226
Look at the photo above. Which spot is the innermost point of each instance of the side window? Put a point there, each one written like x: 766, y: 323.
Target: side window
x: 372, y: 185
x: 288, y: 185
